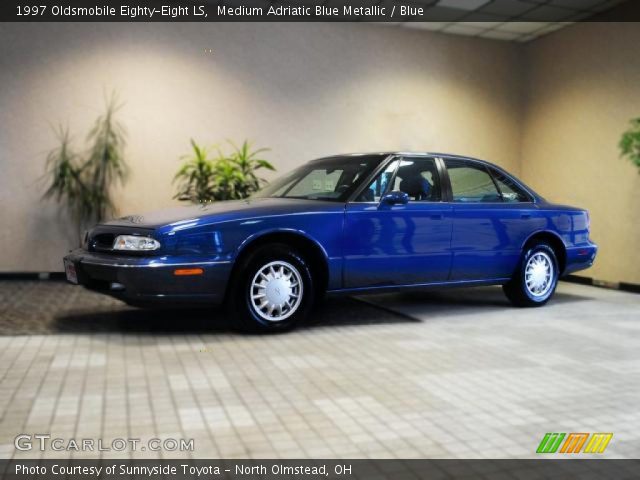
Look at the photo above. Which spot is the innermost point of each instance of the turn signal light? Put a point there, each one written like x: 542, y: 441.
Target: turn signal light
x: 181, y: 272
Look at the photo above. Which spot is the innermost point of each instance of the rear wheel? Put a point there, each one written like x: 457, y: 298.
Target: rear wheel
x: 273, y: 290
x: 535, y: 281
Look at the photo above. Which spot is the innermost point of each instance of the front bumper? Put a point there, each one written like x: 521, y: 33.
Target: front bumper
x: 151, y: 280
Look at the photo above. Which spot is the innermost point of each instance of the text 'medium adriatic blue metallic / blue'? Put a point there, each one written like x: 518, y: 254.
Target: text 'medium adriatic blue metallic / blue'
x: 362, y: 223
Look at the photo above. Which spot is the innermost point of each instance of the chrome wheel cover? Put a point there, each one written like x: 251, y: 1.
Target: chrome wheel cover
x: 276, y: 291
x: 538, y: 274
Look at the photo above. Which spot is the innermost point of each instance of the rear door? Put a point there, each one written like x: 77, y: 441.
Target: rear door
x: 400, y: 244
x: 489, y: 226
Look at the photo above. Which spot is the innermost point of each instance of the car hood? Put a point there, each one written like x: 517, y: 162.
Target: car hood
x: 224, y: 211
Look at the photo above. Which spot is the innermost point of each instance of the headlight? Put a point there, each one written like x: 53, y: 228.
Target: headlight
x: 134, y: 243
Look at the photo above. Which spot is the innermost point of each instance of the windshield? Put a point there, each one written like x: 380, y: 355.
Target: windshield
x: 332, y: 179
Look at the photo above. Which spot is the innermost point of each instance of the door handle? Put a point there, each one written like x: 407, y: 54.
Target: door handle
x: 526, y: 216
x: 436, y: 216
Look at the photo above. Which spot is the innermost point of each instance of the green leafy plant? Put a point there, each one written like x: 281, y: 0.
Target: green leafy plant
x: 205, y: 178
x: 195, y: 176
x: 82, y: 182
x: 630, y: 143
x: 248, y: 163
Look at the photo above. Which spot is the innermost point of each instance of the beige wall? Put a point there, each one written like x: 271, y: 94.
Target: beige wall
x: 305, y: 90
x: 583, y: 86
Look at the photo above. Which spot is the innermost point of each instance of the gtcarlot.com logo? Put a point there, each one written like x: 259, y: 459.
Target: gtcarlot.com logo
x: 573, y: 443
x: 44, y: 441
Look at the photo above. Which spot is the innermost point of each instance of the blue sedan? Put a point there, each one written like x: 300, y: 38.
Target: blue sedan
x: 348, y: 224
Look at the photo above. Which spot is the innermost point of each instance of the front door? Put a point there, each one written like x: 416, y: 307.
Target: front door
x: 399, y: 244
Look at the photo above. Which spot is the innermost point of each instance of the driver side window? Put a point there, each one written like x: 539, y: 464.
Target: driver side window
x: 417, y: 177
x: 379, y: 186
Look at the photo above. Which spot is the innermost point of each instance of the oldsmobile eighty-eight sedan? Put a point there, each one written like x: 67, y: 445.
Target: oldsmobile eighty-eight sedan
x: 349, y: 224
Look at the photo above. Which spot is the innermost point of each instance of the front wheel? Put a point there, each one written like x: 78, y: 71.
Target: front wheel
x: 273, y: 292
x: 535, y: 281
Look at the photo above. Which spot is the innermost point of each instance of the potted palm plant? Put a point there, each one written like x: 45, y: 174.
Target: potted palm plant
x: 82, y: 181
x: 208, y: 176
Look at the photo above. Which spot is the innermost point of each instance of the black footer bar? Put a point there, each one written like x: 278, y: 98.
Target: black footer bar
x: 319, y: 469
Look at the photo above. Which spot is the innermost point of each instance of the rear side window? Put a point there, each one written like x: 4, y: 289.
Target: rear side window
x: 471, y: 183
x: 509, y: 189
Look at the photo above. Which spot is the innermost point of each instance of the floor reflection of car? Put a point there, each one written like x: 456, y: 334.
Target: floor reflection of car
x: 344, y: 224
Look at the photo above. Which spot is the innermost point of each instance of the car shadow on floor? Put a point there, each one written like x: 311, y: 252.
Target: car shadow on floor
x: 41, y: 308
x: 457, y: 301
x: 453, y: 305
x: 333, y: 312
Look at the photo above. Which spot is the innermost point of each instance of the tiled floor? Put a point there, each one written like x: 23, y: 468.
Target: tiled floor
x: 453, y: 374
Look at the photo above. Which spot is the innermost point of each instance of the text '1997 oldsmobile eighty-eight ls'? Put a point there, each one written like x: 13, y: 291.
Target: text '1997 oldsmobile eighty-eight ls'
x: 345, y: 224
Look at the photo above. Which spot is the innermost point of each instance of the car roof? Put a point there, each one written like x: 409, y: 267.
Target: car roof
x: 383, y: 155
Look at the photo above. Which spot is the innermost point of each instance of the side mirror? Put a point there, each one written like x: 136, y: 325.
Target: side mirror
x: 395, y: 198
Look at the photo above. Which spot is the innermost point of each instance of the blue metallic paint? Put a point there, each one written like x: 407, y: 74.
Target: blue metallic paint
x: 395, y: 245
x: 367, y: 246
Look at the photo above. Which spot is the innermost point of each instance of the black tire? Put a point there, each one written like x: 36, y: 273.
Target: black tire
x: 245, y: 314
x: 516, y: 289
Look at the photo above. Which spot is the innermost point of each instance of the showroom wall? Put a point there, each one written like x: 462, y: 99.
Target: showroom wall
x: 551, y: 110
x: 305, y: 90
x: 583, y: 86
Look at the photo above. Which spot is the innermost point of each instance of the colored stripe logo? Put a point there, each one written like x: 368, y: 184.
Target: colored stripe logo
x: 573, y: 443
x: 598, y: 443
